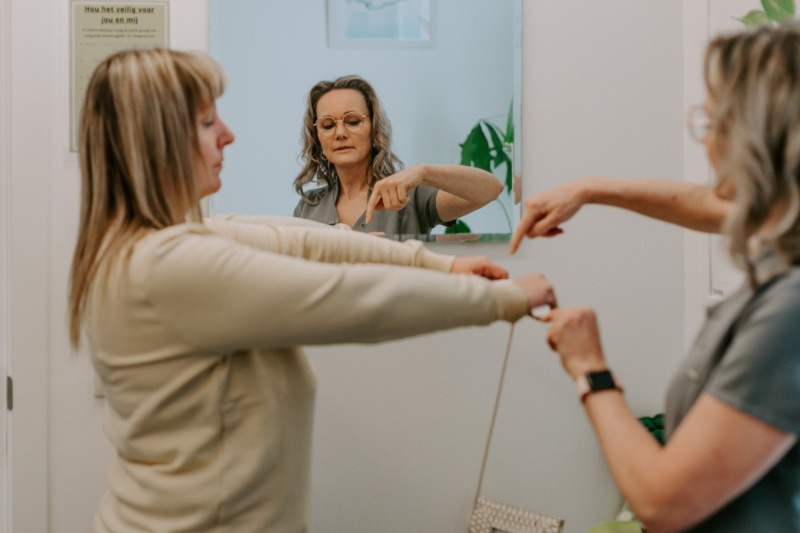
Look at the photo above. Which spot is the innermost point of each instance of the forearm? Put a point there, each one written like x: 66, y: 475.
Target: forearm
x: 632, y: 454
x: 268, y: 220
x: 690, y: 205
x: 318, y: 242
x: 271, y: 300
x: 468, y: 183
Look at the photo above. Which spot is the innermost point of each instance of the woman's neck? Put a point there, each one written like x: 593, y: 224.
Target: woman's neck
x: 353, y: 181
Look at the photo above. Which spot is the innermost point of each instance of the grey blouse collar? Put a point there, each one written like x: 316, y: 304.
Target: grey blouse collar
x: 768, y: 261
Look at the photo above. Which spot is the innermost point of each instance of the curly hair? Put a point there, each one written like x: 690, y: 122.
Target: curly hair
x: 753, y: 82
x: 318, y: 169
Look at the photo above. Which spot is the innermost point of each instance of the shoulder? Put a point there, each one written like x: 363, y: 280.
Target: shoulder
x: 774, y: 310
x: 180, y: 240
x: 173, y: 235
x: 760, y: 368
x: 783, y: 295
x: 319, y: 205
x: 316, y: 195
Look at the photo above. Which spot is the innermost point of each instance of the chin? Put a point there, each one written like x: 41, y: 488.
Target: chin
x: 210, y: 188
x: 348, y: 160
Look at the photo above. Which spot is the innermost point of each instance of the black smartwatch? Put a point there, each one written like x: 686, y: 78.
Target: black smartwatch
x: 594, y: 382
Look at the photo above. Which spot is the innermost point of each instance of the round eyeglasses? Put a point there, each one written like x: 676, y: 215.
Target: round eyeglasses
x: 698, y: 123
x: 352, y: 121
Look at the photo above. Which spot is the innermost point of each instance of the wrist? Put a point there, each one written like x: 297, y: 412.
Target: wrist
x: 589, y: 189
x: 424, y: 174
x: 596, y: 381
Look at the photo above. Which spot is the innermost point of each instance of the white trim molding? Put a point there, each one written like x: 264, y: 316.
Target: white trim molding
x: 5, y: 460
x: 28, y: 69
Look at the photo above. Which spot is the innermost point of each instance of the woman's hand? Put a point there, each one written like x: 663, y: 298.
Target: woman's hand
x: 537, y: 290
x: 543, y: 213
x: 480, y: 265
x: 392, y: 191
x: 573, y: 333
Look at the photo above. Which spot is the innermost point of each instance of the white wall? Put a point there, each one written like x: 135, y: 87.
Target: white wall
x: 400, y: 427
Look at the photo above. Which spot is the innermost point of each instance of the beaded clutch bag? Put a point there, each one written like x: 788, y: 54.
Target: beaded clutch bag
x: 494, y: 517
x: 490, y: 516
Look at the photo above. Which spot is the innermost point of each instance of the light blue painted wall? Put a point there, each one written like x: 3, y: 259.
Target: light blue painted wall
x: 273, y: 52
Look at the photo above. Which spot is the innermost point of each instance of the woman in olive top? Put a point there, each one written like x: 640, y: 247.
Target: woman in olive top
x: 347, y: 150
x: 731, y: 462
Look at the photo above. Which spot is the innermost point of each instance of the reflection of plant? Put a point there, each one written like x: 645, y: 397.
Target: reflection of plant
x: 775, y: 11
x: 486, y: 147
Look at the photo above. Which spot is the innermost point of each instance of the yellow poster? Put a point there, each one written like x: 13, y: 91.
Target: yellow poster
x: 99, y: 29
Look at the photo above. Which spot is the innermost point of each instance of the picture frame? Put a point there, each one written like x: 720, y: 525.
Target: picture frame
x: 380, y: 23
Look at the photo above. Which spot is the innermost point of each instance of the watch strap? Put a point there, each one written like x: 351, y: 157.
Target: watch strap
x: 596, y: 381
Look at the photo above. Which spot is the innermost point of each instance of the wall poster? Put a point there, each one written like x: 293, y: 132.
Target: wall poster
x: 99, y: 29
x: 379, y: 23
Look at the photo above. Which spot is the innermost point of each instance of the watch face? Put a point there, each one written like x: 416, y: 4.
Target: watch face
x: 601, y: 380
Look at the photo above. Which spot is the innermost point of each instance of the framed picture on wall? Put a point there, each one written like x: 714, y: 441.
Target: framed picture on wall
x: 380, y: 23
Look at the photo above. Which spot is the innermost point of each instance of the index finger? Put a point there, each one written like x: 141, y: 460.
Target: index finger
x: 525, y: 223
x: 374, y: 198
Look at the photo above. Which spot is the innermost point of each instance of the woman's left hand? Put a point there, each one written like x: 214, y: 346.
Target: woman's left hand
x: 573, y: 333
x: 392, y: 191
x: 479, y: 265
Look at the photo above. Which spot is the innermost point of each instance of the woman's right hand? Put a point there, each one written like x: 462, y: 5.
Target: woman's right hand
x: 542, y: 213
x: 574, y: 334
x: 538, y: 291
x: 392, y: 191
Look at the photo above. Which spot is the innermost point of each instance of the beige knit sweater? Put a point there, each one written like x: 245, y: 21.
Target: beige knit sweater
x: 209, y: 397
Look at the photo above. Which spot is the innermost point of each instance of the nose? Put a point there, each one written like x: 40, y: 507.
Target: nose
x: 340, y: 129
x: 227, y: 136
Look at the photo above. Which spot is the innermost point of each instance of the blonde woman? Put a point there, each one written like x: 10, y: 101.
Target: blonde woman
x: 194, y: 325
x: 731, y: 462
x: 361, y: 182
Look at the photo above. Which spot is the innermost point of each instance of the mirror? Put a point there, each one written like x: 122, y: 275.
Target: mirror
x: 434, y: 93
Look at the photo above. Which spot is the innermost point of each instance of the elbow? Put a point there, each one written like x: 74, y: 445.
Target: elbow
x: 658, y: 514
x: 493, y: 191
x: 652, y: 519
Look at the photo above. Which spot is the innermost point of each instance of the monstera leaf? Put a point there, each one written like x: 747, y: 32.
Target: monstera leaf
x: 485, y: 147
x: 774, y: 11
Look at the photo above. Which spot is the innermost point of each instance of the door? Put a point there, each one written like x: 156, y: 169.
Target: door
x: 5, y: 464
x: 24, y: 249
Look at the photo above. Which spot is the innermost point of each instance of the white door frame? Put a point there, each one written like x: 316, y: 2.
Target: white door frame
x: 29, y: 41
x: 697, y: 264
x: 5, y: 462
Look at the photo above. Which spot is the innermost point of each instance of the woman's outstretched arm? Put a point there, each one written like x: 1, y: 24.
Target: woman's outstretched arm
x: 690, y: 205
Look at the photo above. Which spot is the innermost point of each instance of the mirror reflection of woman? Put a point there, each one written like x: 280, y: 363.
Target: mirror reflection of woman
x: 346, y: 149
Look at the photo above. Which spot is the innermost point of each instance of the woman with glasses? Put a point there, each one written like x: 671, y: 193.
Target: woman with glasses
x: 347, y: 150
x: 195, y: 325
x: 731, y: 462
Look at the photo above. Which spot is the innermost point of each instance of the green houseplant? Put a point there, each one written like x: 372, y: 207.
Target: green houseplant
x: 487, y: 147
x: 773, y: 12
